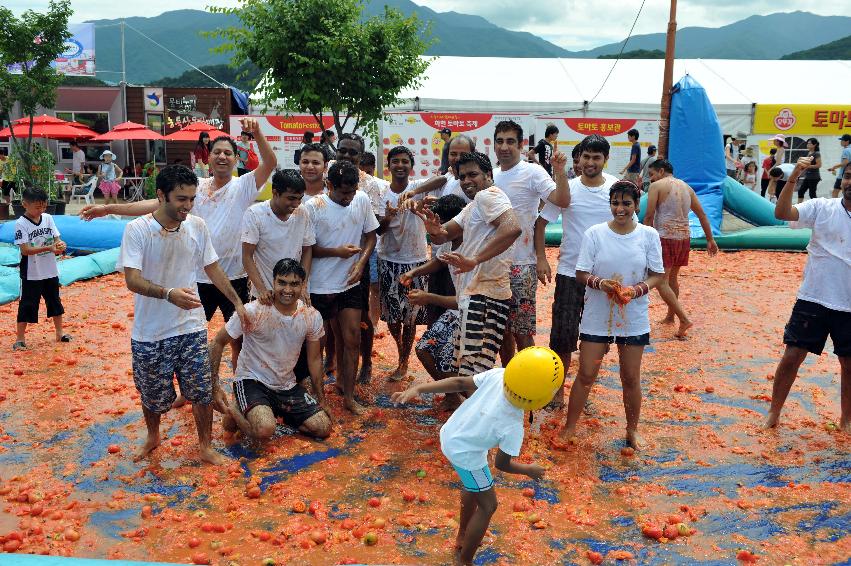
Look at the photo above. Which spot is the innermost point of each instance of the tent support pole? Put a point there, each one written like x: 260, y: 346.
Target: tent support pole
x: 668, y: 83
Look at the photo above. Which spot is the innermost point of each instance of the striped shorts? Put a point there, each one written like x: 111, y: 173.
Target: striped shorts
x: 480, y: 337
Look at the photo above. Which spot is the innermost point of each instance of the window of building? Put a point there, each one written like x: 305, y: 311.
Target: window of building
x: 97, y: 121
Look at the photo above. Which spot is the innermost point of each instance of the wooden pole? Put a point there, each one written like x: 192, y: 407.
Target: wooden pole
x: 668, y: 83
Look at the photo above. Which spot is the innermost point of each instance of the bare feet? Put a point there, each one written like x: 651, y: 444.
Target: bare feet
x: 354, y: 406
x: 400, y: 373
x: 365, y: 375
x: 179, y: 402
x: 669, y: 319
x: 211, y: 456
x: 150, y: 444
x: 568, y: 435
x: 682, y: 331
x: 634, y: 439
x: 845, y: 426
x: 451, y: 402
x: 229, y: 424
x: 772, y: 420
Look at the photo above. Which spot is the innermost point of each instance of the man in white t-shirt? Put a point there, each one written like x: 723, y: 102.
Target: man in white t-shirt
x: 313, y: 165
x: 344, y: 224
x: 588, y: 205
x: 839, y: 168
x: 402, y: 248
x: 161, y: 255
x: 489, y: 228
x: 276, y: 229
x: 78, y: 161
x: 279, y: 351
x: 526, y: 185
x: 823, y: 305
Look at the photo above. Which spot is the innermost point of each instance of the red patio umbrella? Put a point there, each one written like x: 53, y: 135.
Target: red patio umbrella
x: 128, y: 131
x: 50, y: 131
x: 191, y: 132
x: 83, y: 127
x: 43, y: 119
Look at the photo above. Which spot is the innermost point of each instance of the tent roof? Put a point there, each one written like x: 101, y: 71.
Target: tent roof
x: 545, y: 85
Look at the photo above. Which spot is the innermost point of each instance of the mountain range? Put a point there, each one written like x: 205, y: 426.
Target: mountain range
x: 757, y: 37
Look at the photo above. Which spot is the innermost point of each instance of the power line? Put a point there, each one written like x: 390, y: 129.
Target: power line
x: 618, y: 58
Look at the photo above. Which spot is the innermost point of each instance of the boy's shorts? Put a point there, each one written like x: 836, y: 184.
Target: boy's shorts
x: 31, y: 294
x: 475, y: 481
x: 211, y: 298
x: 155, y: 364
x: 395, y: 307
x: 439, y: 342
x: 675, y: 252
x: 329, y: 305
x: 524, y: 285
x: 810, y: 324
x: 294, y: 405
x: 480, y: 333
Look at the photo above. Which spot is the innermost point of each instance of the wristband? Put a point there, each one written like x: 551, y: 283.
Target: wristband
x: 640, y: 289
x: 167, y: 293
x: 593, y: 282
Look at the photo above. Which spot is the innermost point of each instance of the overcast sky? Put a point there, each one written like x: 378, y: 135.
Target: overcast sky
x: 572, y: 24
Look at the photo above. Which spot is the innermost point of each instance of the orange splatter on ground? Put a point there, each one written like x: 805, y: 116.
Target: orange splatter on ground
x: 711, y: 486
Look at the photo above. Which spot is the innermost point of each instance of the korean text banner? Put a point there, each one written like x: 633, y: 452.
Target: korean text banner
x: 420, y: 132
x: 78, y: 56
x: 806, y: 119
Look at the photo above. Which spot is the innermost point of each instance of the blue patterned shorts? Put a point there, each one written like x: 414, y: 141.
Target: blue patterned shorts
x: 155, y: 364
x: 439, y: 341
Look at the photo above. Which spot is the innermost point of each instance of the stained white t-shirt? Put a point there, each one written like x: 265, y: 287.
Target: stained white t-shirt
x: 275, y: 239
x: 404, y: 239
x: 170, y: 259
x: 484, y: 421
x: 306, y: 197
x: 588, y: 206
x: 222, y: 210
x: 452, y: 187
x: 489, y: 278
x: 336, y: 226
x: 628, y: 259
x: 827, y: 275
x: 526, y: 185
x: 271, y: 349
x: 39, y: 266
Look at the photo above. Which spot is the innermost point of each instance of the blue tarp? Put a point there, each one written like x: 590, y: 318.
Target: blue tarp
x: 696, y: 150
x: 97, y: 235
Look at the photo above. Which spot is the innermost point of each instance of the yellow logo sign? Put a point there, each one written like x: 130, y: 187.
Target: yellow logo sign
x: 803, y: 119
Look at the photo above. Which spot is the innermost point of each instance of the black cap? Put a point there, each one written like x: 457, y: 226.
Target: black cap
x: 845, y: 137
x: 446, y: 131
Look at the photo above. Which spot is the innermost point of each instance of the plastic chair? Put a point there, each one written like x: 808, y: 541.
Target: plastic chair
x: 87, y: 196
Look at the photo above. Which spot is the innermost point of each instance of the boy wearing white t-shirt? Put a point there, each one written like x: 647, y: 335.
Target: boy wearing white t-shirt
x: 278, y: 351
x: 402, y: 248
x: 588, y: 205
x: 276, y: 229
x: 342, y: 219
x: 489, y: 228
x: 823, y: 305
x: 38, y: 238
x: 160, y: 255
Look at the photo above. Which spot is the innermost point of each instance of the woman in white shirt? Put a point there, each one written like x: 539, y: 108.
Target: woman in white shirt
x: 619, y: 262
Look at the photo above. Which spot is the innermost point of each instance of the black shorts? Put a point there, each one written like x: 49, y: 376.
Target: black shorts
x: 808, y: 185
x: 212, y: 298
x: 640, y: 340
x: 811, y: 323
x: 329, y: 305
x: 294, y: 405
x: 569, y: 300
x: 763, y: 183
x: 31, y: 294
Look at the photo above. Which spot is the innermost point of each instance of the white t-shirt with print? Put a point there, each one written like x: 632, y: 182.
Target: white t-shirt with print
x: 272, y: 347
x: 336, y: 226
x: 628, y: 259
x: 404, y: 239
x: 588, y: 206
x: 170, y: 259
x: 40, y: 266
x: 827, y: 275
x: 222, y: 210
x: 485, y: 420
x: 275, y: 239
x: 489, y: 278
x: 526, y: 185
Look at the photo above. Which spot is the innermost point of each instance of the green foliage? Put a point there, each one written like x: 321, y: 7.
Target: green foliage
x: 244, y: 78
x: 34, y: 167
x: 835, y: 50
x: 323, y: 57
x: 34, y: 40
x: 80, y: 81
x: 636, y: 54
x: 149, y: 172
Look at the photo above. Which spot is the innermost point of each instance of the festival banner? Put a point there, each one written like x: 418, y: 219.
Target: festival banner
x: 573, y: 130
x: 802, y: 119
x: 420, y: 132
x: 78, y: 56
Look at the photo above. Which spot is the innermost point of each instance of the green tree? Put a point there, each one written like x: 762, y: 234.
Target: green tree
x: 32, y: 41
x: 323, y: 57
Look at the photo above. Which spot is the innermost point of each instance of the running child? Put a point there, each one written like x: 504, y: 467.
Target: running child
x: 38, y: 238
x: 492, y: 417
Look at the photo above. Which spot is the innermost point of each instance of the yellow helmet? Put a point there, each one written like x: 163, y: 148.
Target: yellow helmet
x: 532, y: 378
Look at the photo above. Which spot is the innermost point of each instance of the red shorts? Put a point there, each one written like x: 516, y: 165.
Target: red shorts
x: 675, y: 252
